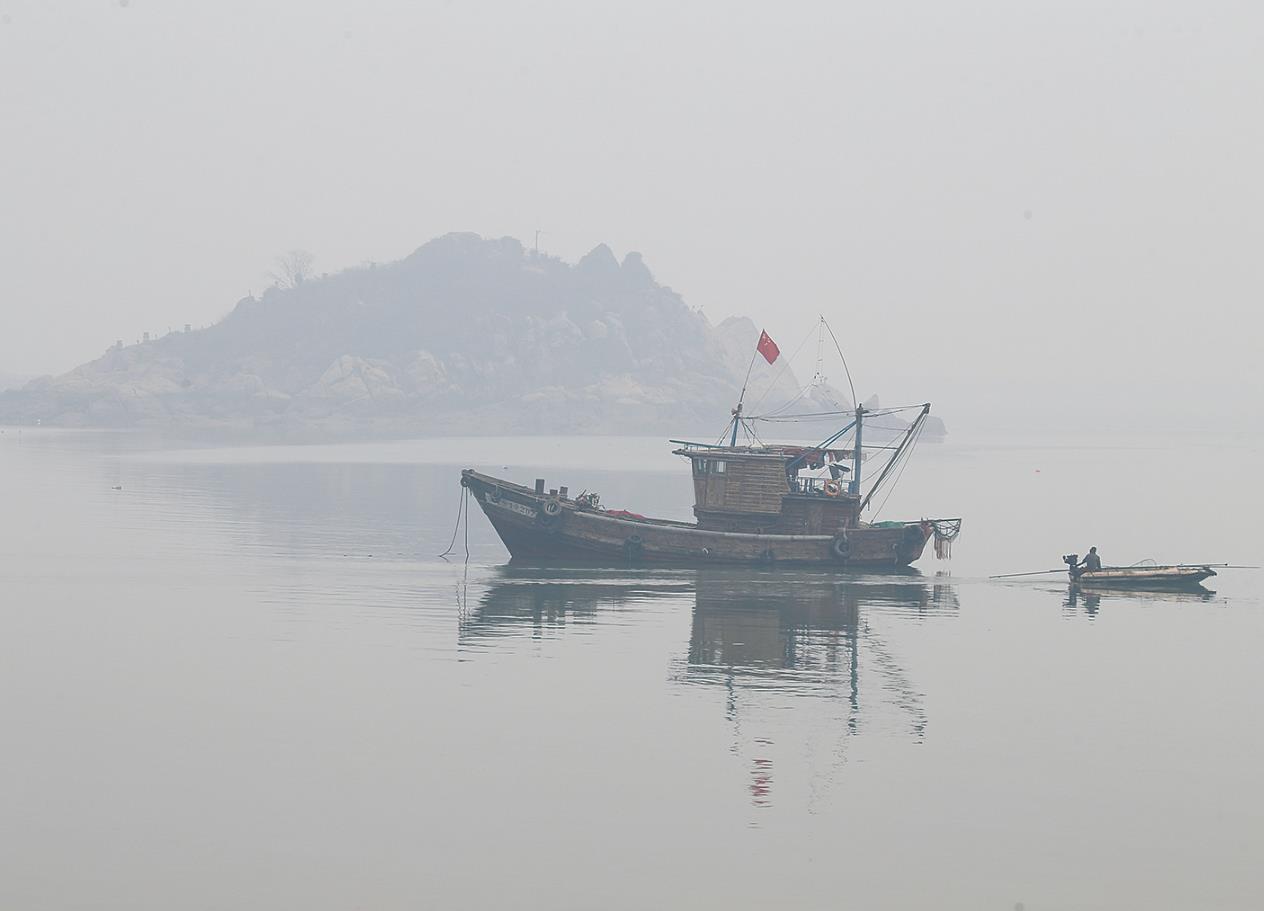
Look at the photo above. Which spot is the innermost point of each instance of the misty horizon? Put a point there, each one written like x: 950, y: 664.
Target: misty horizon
x: 1051, y: 214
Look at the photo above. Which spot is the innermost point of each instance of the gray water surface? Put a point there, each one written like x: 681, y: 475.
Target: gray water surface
x: 244, y: 680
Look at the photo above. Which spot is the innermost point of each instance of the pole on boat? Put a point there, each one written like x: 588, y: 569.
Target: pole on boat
x: 854, y: 487
x: 1039, y: 572
x: 1217, y: 565
x: 737, y: 412
x: 913, y: 430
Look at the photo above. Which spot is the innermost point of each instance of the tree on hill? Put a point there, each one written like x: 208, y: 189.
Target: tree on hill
x: 292, y: 269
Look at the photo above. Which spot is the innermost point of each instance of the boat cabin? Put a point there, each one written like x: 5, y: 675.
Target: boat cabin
x: 760, y: 489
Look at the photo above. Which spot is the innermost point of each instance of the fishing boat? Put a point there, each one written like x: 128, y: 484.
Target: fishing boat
x: 1176, y: 577
x: 764, y: 504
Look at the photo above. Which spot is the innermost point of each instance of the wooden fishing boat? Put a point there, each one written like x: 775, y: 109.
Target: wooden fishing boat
x: 1152, y: 578
x: 754, y: 504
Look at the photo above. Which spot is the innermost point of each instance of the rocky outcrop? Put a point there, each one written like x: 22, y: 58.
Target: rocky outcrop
x: 466, y: 334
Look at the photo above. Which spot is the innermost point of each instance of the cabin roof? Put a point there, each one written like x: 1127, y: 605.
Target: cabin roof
x: 781, y: 452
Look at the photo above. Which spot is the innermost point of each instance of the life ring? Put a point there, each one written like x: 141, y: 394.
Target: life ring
x: 549, y: 515
x: 840, y: 547
x: 833, y: 488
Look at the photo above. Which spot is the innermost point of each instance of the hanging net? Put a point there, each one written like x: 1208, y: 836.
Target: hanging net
x: 946, y: 531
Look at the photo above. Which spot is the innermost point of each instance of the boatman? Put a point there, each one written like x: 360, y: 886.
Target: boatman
x: 1091, y: 562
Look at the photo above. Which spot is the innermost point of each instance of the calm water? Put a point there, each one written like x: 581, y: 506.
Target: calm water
x: 245, y: 681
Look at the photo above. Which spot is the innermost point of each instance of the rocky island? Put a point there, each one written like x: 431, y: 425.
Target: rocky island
x: 465, y: 335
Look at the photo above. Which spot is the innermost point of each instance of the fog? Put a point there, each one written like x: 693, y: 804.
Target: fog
x: 1025, y: 213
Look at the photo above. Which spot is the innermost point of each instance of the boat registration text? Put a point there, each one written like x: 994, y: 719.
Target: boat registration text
x: 516, y: 507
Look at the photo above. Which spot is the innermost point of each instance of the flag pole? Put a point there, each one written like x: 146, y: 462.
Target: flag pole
x: 737, y: 412
x: 768, y: 348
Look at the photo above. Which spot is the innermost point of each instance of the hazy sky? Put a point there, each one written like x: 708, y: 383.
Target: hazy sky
x: 996, y: 204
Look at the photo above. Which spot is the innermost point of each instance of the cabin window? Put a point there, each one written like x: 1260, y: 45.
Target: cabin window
x: 709, y: 466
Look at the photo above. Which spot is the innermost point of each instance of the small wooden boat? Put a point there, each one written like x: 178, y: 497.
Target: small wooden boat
x: 1154, y: 578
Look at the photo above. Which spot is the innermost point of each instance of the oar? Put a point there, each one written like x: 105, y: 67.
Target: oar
x: 1039, y: 572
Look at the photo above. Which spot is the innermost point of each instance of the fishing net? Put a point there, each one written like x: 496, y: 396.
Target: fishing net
x: 946, y: 531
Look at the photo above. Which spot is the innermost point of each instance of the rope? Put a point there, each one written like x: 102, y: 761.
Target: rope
x: 802, y: 392
x: 785, y: 365
x: 846, y: 370
x: 907, y: 457
x: 772, y: 416
x: 462, y: 507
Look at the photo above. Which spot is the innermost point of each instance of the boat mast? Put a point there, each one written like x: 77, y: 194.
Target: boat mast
x: 912, y: 432
x: 854, y: 487
x: 737, y: 412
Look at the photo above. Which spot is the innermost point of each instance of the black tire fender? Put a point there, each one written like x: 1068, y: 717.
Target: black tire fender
x: 549, y: 515
x: 840, y: 547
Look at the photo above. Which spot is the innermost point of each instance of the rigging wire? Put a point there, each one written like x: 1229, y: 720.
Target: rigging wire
x: 773, y: 416
x: 846, y: 370
x: 908, y: 457
x: 785, y: 365
x: 802, y: 392
x: 817, y: 377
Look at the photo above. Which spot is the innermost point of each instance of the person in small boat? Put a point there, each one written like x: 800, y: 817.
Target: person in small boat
x: 1091, y: 562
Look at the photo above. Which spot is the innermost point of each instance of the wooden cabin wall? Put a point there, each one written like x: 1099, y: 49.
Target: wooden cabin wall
x: 819, y: 515
x: 745, y: 485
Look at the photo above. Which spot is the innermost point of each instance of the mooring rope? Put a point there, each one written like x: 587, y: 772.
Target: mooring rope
x: 462, y: 508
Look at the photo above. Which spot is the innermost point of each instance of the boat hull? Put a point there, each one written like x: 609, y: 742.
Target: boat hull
x: 1148, y: 578
x: 571, y: 532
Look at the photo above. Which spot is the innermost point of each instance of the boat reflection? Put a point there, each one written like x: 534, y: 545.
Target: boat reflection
x: 810, y: 636
x: 785, y: 625
x: 543, y: 599
x: 741, y: 617
x: 789, y: 631
x: 1090, y: 601
x: 764, y: 642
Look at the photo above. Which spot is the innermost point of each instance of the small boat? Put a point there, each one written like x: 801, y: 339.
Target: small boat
x: 1175, y: 577
x: 754, y: 504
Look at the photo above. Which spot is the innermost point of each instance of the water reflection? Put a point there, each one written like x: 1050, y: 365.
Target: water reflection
x: 542, y: 599
x: 1090, y: 602
x: 791, y: 630
x: 764, y: 641
x: 776, y: 625
x: 807, y: 636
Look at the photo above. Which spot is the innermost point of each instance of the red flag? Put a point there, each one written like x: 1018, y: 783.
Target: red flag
x: 768, y: 348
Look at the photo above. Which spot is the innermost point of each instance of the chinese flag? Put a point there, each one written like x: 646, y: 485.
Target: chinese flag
x: 768, y: 348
